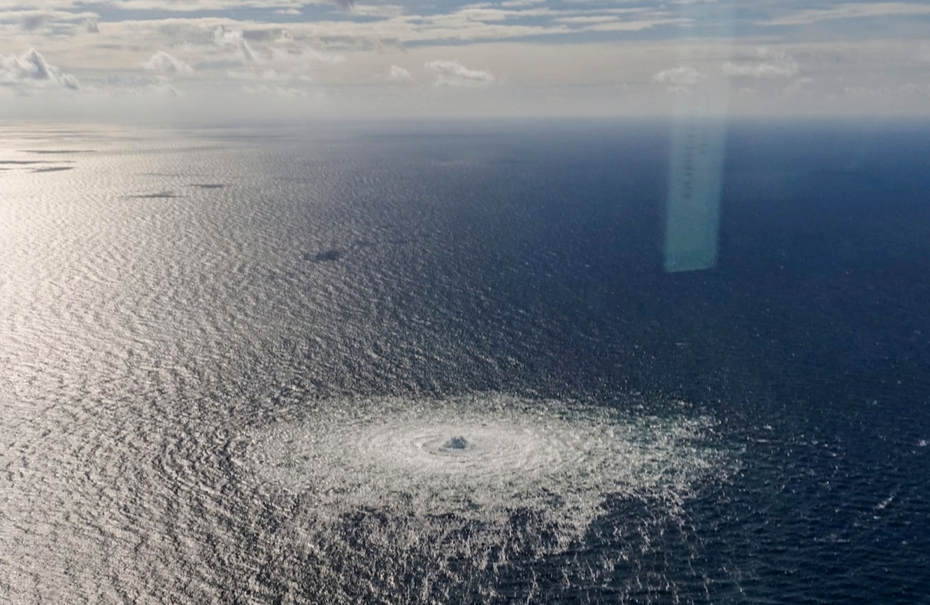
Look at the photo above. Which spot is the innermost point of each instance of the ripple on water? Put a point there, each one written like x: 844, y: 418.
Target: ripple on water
x: 483, y: 458
x: 469, y: 498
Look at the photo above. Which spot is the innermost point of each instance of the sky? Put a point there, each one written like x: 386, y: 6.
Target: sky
x: 203, y: 60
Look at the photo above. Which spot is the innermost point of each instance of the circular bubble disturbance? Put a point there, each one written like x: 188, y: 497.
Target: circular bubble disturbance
x: 477, y: 499
x: 485, y: 457
x: 456, y: 443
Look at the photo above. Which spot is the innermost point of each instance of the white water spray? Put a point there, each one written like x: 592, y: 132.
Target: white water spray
x: 470, y: 484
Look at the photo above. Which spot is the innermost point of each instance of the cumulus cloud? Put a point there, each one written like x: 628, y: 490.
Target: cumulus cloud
x: 233, y: 39
x: 400, y: 74
x: 766, y: 64
x: 678, y: 79
x: 31, y: 69
x: 164, y: 63
x: 453, y: 73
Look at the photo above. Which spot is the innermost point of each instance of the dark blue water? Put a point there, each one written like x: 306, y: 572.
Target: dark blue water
x: 166, y: 296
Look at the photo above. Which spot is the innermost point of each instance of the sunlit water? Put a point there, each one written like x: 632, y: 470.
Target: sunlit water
x: 339, y: 366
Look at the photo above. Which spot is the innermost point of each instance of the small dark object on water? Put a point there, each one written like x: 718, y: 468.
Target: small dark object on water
x: 151, y: 196
x: 456, y: 443
x: 53, y: 169
x: 328, y: 256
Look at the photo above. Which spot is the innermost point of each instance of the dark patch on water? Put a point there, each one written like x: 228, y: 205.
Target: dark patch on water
x: 158, y: 195
x: 209, y: 185
x: 327, y: 256
x: 53, y: 169
x: 57, y: 151
x: 335, y: 254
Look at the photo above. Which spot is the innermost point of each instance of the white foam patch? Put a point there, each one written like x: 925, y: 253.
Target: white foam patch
x: 485, y: 457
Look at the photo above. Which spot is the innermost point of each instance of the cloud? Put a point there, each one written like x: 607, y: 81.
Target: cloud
x: 279, y: 91
x: 589, y: 19
x: 312, y: 55
x: 165, y: 63
x: 265, y: 74
x: 33, y: 22
x: 367, y: 27
x: 766, y: 64
x: 799, y: 84
x: 233, y: 38
x: 49, y: 21
x: 125, y: 86
x: 553, y: 57
x: 190, y: 6
x: 888, y: 92
x: 678, y: 79
x: 521, y: 3
x: 851, y: 11
x: 161, y: 87
x: 31, y: 69
x: 453, y: 73
x: 400, y: 74
x: 386, y: 11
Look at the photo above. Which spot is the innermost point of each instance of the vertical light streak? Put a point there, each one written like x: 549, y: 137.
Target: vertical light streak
x: 698, y: 147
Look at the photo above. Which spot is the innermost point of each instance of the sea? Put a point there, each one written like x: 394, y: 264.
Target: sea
x: 427, y: 362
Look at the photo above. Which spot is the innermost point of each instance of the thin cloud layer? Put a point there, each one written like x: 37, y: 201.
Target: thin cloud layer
x: 189, y: 6
x: 851, y: 10
x: 20, y: 22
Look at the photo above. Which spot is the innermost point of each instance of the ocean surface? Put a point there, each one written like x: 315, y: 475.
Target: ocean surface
x: 442, y: 363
